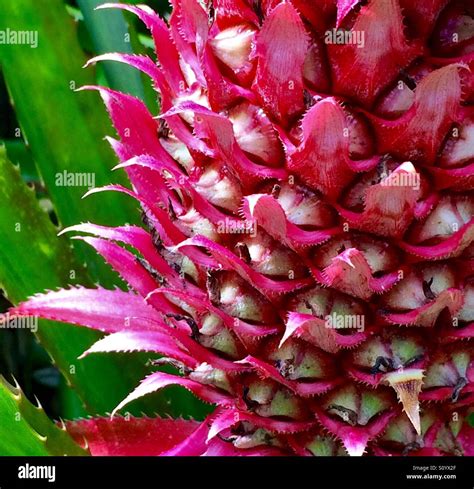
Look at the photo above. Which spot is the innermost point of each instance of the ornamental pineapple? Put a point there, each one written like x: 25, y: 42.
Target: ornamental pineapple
x: 306, y: 258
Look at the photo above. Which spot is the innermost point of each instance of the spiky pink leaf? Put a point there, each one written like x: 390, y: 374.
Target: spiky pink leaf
x: 317, y: 332
x: 322, y: 160
x: 105, y: 310
x: 160, y: 380
x: 355, y: 438
x: 268, y: 213
x: 304, y: 389
x: 281, y: 49
x: 130, y: 269
x: 164, y: 46
x: 129, y: 437
x: 231, y: 417
x: 383, y: 45
x: 418, y: 134
x: 133, y: 341
x: 229, y: 261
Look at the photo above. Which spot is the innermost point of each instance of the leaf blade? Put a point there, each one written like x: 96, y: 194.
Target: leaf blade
x: 26, y: 430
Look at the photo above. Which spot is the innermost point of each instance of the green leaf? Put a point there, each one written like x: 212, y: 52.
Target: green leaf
x: 26, y: 430
x: 32, y: 257
x: 18, y: 153
x: 64, y: 129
